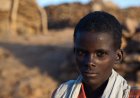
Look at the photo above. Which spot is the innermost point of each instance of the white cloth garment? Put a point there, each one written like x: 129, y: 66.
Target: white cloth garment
x: 117, y: 87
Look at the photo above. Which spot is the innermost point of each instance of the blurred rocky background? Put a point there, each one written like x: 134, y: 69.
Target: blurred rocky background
x: 36, y: 45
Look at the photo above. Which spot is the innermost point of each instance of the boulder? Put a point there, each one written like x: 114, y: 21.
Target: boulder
x: 22, y: 17
x: 131, y: 24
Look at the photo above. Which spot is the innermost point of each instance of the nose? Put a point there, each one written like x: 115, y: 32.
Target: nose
x: 90, y: 60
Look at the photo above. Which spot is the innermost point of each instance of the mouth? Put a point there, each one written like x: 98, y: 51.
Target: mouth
x: 90, y: 74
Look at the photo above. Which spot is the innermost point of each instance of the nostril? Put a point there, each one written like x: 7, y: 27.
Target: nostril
x: 91, y: 64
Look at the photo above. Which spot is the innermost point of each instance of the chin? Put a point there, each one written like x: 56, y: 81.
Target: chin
x: 91, y: 81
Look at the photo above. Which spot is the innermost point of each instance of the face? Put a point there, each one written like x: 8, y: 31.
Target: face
x: 95, y: 56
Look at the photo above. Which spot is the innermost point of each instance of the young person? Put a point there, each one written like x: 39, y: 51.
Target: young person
x: 97, y: 42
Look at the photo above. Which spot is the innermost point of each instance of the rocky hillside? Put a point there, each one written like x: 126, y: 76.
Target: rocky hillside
x: 67, y: 15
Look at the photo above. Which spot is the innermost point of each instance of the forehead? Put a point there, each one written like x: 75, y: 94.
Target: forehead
x: 94, y: 39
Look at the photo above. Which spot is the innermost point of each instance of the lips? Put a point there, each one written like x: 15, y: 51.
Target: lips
x: 89, y: 73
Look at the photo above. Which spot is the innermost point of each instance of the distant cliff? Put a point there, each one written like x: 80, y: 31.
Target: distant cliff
x: 67, y: 15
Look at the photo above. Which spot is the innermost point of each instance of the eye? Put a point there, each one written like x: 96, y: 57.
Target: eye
x: 100, y: 53
x: 80, y: 52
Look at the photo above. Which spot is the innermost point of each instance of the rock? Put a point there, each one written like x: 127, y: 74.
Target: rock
x: 97, y: 7
x: 110, y: 4
x: 124, y: 43
x: 5, y: 5
x: 4, y: 54
x: 132, y: 58
x: 66, y: 15
x: 126, y: 34
x: 22, y: 17
x: 136, y: 37
x: 131, y: 24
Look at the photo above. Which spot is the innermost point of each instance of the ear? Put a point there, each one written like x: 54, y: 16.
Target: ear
x: 119, y: 56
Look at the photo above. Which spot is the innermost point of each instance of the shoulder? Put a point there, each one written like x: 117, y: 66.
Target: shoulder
x: 63, y: 88
x: 66, y: 85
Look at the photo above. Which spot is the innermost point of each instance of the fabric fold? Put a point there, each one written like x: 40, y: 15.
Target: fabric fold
x: 117, y: 87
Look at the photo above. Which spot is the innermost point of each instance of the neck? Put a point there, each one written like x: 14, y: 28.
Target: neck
x: 93, y: 92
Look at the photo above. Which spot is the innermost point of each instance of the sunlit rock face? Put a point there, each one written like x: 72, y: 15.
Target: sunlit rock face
x: 22, y: 17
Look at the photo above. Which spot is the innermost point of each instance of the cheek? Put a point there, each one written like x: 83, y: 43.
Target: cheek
x: 79, y: 60
x: 105, y: 64
x: 104, y: 61
x: 107, y: 60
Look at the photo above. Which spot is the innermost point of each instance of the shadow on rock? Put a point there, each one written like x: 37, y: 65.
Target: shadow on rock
x: 54, y: 60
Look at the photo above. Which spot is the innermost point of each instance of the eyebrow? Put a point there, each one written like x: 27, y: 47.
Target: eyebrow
x: 101, y: 50
x: 79, y: 48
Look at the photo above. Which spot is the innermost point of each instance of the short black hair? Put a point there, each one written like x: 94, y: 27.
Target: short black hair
x: 100, y: 21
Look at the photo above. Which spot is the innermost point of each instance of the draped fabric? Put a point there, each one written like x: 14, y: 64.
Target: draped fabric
x: 82, y: 93
x: 117, y: 87
x: 134, y: 93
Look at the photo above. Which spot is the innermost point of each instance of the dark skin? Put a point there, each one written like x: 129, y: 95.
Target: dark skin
x: 95, y: 56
